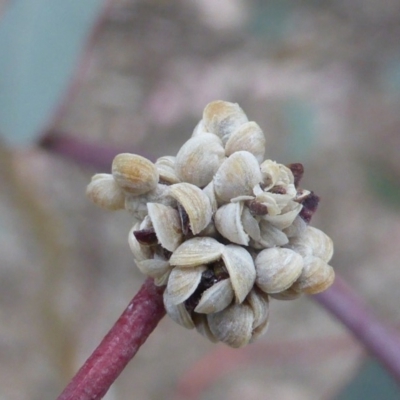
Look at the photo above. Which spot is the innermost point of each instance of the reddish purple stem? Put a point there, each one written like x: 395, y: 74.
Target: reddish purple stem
x: 83, y: 152
x: 380, y: 339
x: 119, y: 346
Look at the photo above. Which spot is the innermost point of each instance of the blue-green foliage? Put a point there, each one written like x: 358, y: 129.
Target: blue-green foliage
x: 40, y: 43
x: 371, y: 383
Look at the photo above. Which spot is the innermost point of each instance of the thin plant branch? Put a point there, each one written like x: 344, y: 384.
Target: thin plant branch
x: 119, y: 346
x: 83, y: 152
x: 380, y: 339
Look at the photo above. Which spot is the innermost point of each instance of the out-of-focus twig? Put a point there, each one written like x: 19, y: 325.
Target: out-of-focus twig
x: 119, y: 346
x: 380, y: 339
x: 81, y: 151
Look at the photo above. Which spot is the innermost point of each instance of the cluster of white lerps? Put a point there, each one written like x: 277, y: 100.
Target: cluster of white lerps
x: 221, y: 227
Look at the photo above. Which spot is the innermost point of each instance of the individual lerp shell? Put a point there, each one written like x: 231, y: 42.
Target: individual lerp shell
x: 275, y: 174
x: 166, y: 170
x: 105, y: 192
x: 237, y: 176
x: 228, y: 222
x: 153, y: 267
x: 320, y: 244
x: 315, y: 277
x: 233, y: 325
x: 196, y: 204
x: 182, y: 283
x: 271, y: 236
x: 259, y: 303
x: 216, y: 298
x: 240, y: 266
x: 297, y: 228
x: 199, y: 129
x: 288, y: 294
x: 249, y: 137
x: 139, y: 251
x: 197, y: 251
x: 166, y: 224
x: 178, y: 312
x: 201, y: 323
x: 199, y: 159
x: 285, y: 219
x: 223, y: 118
x: 250, y: 225
x: 210, y: 193
x: 277, y: 269
x: 137, y: 205
x: 259, y: 331
x: 134, y: 174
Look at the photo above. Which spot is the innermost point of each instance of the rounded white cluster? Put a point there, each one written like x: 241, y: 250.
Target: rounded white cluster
x: 221, y: 227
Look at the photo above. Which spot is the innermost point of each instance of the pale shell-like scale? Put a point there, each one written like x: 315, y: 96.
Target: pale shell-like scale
x: 259, y: 331
x: 266, y: 199
x: 241, y: 269
x: 315, y: 277
x: 163, y: 279
x: 250, y: 225
x: 216, y: 298
x: 201, y: 324
x: 288, y: 294
x: 105, y: 192
x: 249, y: 137
x: 210, y: 230
x: 233, y: 325
x: 237, y: 176
x: 285, y: 219
x: 199, y: 159
x: 153, y: 267
x: 166, y: 170
x: 275, y: 174
x: 238, y: 199
x: 139, y: 251
x: 199, y: 129
x: 297, y: 227
x: 302, y: 249
x: 259, y: 303
x: 270, y: 173
x: 210, y: 193
x: 277, y: 269
x: 137, y: 205
x: 166, y: 224
x: 196, y: 251
x: 223, y: 118
x: 320, y: 244
x: 182, y: 283
x: 228, y: 222
x: 271, y: 236
x: 196, y: 204
x: 283, y: 200
x: 178, y: 313
x: 134, y: 174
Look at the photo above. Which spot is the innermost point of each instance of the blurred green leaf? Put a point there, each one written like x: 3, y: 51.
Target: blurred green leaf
x: 270, y: 18
x: 384, y: 182
x: 40, y: 43
x: 371, y: 383
x: 299, y: 122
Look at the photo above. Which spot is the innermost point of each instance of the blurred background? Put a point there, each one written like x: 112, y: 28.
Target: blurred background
x: 322, y: 79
